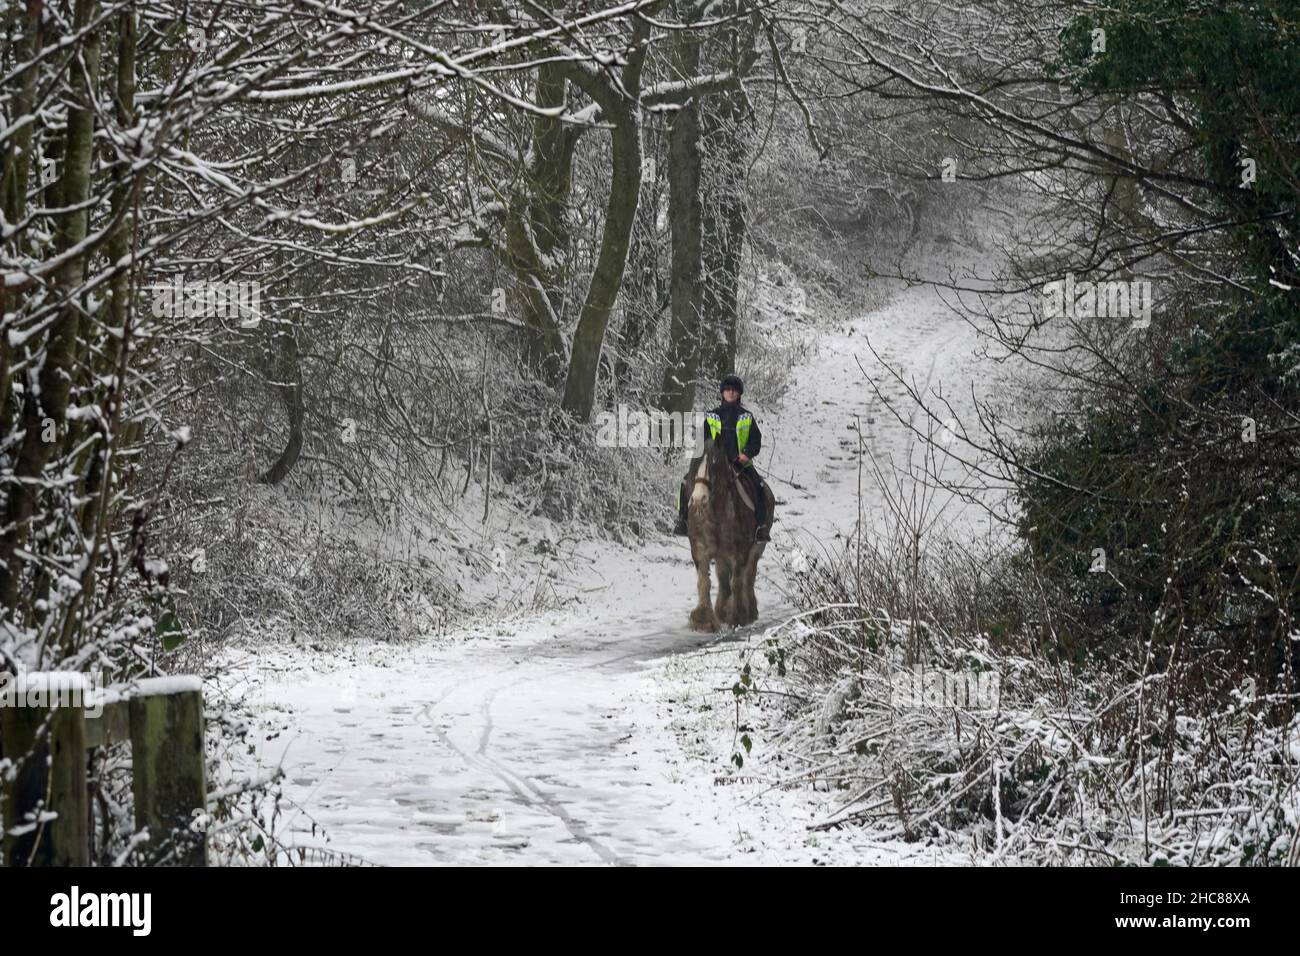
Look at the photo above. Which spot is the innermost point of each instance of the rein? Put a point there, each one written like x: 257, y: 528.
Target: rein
x: 735, y: 477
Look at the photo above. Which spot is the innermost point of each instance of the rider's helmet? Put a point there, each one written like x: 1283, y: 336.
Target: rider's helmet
x: 732, y: 381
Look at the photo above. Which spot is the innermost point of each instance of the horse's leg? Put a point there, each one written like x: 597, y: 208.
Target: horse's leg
x: 750, y: 600
x: 725, y: 607
x: 736, y: 607
x: 740, y: 588
x: 702, y: 617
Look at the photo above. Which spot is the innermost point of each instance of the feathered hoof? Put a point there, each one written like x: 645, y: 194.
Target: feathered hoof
x: 746, y: 614
x: 723, y: 612
x: 703, y: 619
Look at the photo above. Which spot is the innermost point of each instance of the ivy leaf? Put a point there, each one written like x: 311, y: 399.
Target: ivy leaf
x: 170, y: 632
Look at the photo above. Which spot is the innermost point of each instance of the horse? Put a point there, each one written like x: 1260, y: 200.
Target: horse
x: 721, y: 527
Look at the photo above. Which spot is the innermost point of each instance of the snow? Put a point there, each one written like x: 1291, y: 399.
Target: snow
x: 602, y: 731
x: 150, y: 687
x: 162, y: 686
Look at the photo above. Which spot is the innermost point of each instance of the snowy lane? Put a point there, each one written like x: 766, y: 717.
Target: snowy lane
x: 815, y: 451
x: 599, y: 733
x: 531, y: 742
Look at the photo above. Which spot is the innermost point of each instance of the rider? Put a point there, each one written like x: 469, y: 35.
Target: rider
x: 732, y: 425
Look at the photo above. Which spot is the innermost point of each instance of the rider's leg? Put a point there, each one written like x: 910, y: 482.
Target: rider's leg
x: 759, y: 492
x: 683, y: 499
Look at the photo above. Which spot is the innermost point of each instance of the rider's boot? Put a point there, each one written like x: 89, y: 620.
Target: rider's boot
x: 679, y: 528
x: 761, y: 512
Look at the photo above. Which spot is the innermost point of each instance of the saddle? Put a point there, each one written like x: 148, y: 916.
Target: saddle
x: 749, y: 481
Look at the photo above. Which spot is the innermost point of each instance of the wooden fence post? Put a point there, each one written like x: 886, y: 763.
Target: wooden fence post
x: 168, y: 765
x: 48, y: 741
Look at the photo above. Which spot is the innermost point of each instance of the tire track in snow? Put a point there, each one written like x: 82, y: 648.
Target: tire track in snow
x: 522, y: 788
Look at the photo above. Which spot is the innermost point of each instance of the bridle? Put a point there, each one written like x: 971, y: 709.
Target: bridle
x: 707, y: 483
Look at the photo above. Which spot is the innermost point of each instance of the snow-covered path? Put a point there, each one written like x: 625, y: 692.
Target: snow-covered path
x: 591, y: 734
x: 531, y: 741
x: 814, y: 453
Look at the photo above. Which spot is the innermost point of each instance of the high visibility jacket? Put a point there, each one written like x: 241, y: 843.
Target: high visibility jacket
x: 735, y: 428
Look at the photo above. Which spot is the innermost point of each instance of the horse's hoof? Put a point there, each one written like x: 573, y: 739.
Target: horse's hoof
x: 703, y: 620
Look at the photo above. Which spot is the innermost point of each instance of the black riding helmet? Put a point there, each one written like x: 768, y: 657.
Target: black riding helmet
x: 732, y: 381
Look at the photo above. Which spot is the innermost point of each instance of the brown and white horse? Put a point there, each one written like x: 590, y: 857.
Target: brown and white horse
x: 720, y: 525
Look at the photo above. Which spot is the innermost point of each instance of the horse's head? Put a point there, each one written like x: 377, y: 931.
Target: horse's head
x: 713, y: 471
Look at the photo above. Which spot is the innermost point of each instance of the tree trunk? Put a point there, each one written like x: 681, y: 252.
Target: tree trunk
x: 537, y: 231
x: 289, y: 385
x: 621, y: 104
x: 641, y: 286
x: 17, y: 171
x: 685, y: 225
x: 620, y: 217
x: 723, y: 236
x: 56, y: 372
x: 119, y: 246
